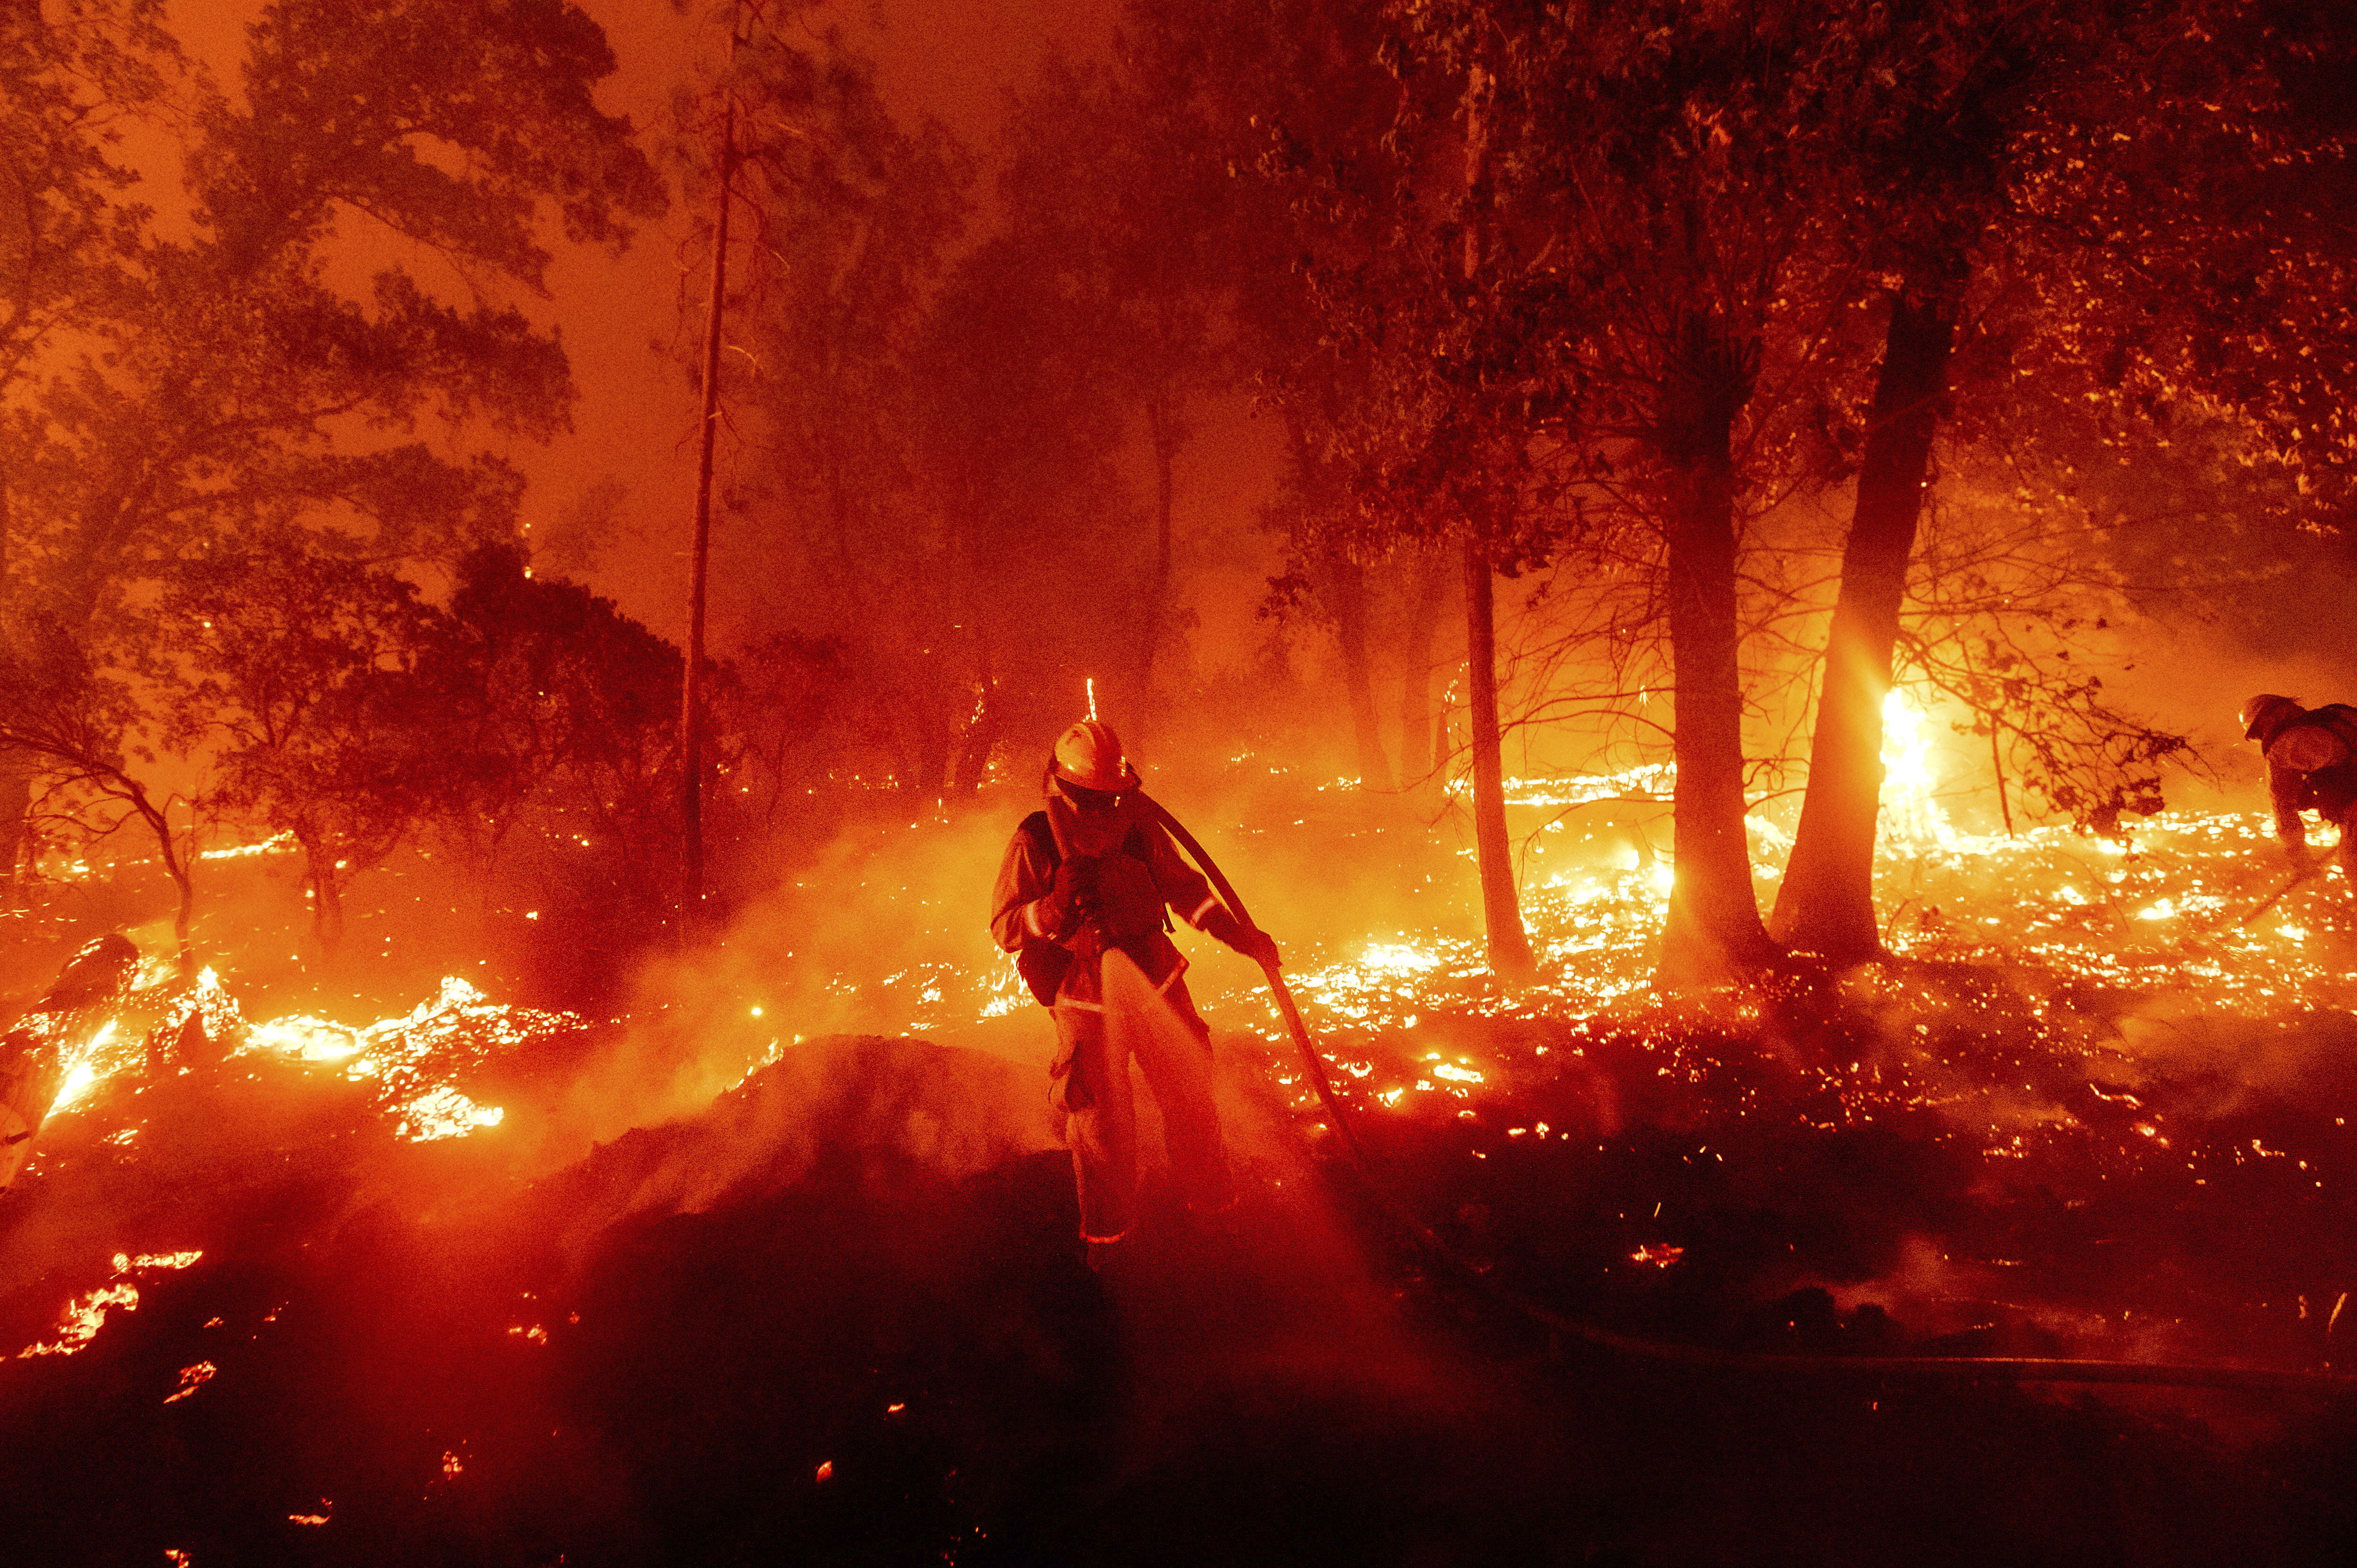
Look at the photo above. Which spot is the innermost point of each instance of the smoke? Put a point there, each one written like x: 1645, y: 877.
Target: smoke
x: 863, y: 1005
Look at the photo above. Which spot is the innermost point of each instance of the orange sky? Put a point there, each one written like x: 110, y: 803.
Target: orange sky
x: 956, y: 59
x: 635, y: 421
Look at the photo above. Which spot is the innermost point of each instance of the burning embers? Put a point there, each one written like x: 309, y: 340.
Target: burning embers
x: 86, y: 1313
x: 414, y: 1059
x: 80, y: 1042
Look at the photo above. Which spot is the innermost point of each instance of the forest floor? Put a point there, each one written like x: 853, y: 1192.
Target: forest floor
x: 778, y: 1260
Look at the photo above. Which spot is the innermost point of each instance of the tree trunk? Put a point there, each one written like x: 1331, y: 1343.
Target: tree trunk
x: 690, y: 702
x: 327, y: 897
x: 1162, y: 431
x: 935, y: 741
x: 1502, y: 912
x: 15, y: 802
x: 1347, y: 590
x: 1713, y: 933
x: 1826, y: 903
x: 987, y: 723
x: 1418, y: 758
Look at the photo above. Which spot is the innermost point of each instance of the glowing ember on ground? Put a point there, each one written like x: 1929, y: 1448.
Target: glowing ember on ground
x: 1660, y: 1254
x: 84, y: 1316
x: 191, y: 1379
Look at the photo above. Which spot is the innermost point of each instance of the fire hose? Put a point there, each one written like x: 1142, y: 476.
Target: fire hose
x: 1954, y: 1368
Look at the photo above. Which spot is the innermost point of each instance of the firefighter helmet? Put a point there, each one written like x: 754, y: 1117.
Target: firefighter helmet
x: 1089, y: 755
x: 2265, y: 714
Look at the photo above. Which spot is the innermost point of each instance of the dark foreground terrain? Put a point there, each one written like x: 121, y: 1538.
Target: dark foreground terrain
x: 839, y: 1317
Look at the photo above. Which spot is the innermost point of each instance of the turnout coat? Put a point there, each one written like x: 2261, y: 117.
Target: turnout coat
x: 1139, y: 875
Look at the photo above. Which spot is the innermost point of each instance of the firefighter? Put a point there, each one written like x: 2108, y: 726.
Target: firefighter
x: 1094, y: 873
x: 2311, y: 765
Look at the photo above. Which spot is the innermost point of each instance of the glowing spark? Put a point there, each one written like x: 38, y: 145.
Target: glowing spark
x: 1093, y: 714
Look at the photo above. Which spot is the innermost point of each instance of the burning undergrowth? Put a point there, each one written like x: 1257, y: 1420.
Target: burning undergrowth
x: 483, y: 1282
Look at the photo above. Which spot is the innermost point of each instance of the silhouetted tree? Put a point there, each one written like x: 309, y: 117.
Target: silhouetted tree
x: 300, y: 681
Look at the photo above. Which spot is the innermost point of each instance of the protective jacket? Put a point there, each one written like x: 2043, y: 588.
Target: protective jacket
x: 2312, y: 765
x: 1136, y: 875
x: 1079, y: 885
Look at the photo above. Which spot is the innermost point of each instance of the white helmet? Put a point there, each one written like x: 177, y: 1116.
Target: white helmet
x: 1089, y: 755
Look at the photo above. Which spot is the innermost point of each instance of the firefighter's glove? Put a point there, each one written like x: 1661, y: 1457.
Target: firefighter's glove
x: 1087, y: 895
x: 1061, y: 907
x: 1261, y: 948
x: 1253, y: 943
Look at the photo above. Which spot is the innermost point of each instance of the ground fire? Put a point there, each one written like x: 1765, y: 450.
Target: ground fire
x: 1177, y: 781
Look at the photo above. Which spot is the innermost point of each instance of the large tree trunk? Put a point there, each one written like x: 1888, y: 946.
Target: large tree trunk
x: 1418, y: 760
x: 1826, y: 903
x: 1347, y: 592
x: 1501, y: 912
x: 1713, y: 933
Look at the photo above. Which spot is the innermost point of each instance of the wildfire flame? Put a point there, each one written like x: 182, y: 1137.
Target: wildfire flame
x: 85, y: 1315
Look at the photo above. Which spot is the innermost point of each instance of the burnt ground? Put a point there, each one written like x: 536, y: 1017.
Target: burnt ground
x: 850, y: 1347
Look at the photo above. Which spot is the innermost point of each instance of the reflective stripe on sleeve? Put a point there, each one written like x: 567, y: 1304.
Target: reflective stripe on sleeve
x: 1196, y: 919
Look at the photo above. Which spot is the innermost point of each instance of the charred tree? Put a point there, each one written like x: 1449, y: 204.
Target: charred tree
x: 1164, y: 432
x: 1825, y: 905
x: 1501, y: 912
x: 1713, y: 933
x: 691, y: 700
x: 1347, y: 590
x: 1418, y: 760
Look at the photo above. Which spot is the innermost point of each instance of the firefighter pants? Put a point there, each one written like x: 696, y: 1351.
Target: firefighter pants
x: 1172, y: 1047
